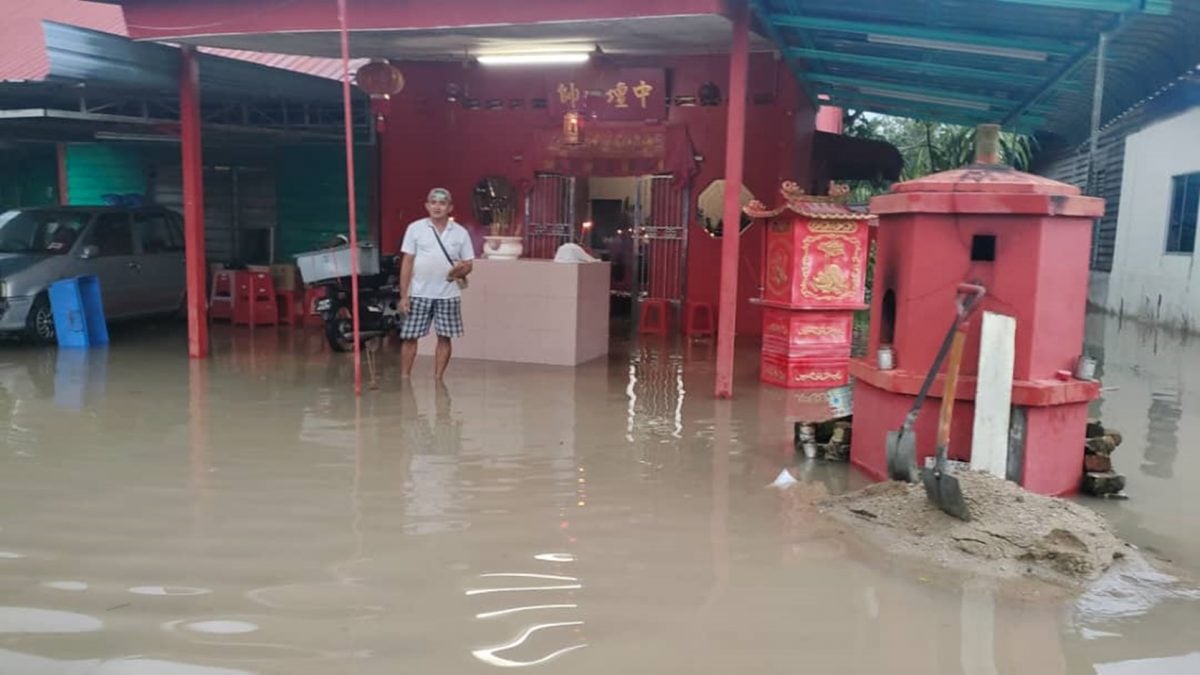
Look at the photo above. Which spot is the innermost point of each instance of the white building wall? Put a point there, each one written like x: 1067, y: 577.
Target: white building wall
x: 1147, y: 282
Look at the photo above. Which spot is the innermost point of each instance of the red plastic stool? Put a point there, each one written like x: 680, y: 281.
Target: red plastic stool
x: 311, y: 295
x: 699, y: 320
x: 221, y: 301
x: 652, y: 318
x: 256, y: 304
x: 289, y: 313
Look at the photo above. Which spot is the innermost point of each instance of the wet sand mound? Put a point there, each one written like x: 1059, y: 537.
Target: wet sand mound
x: 1012, y: 534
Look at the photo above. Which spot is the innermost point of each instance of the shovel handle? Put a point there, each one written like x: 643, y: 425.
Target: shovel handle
x: 967, y: 300
x: 947, y: 410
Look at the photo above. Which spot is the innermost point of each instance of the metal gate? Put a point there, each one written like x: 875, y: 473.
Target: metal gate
x: 549, y: 215
x: 660, y: 237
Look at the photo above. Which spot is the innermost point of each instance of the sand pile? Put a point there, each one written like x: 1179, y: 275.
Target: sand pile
x: 1012, y: 534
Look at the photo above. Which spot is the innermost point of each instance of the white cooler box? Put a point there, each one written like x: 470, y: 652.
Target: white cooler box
x: 333, y: 263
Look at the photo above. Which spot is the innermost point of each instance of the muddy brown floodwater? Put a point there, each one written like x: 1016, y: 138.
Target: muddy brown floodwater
x: 246, y: 515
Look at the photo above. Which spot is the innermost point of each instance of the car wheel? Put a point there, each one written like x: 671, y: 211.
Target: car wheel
x: 39, y: 325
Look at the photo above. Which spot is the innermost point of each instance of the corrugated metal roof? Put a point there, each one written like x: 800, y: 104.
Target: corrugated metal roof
x: 309, y: 65
x: 118, y: 64
x: 1026, y: 63
x: 23, y: 44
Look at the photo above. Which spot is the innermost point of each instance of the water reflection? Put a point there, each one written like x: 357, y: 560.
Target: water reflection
x: 432, y: 494
x: 655, y: 392
x: 35, y: 620
x: 1162, y: 432
x: 17, y: 663
x: 79, y: 377
x: 1187, y: 664
x: 491, y: 655
x: 1130, y: 590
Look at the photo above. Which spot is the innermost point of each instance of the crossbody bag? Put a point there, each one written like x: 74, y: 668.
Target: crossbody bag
x: 461, y: 281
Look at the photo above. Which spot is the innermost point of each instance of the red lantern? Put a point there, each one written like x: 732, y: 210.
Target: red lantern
x: 381, y: 80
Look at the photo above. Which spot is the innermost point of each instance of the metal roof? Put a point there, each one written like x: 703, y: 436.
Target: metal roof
x: 22, y: 44
x: 23, y: 54
x: 1028, y: 64
x: 116, y: 63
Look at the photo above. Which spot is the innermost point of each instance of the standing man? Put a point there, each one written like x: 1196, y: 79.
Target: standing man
x: 437, y: 259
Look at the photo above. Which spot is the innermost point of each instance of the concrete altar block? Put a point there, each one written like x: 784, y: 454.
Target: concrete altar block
x: 533, y: 311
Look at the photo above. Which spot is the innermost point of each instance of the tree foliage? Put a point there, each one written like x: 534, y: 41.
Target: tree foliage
x: 930, y: 147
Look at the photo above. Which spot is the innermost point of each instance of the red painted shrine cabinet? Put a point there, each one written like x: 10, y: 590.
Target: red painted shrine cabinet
x: 815, y: 278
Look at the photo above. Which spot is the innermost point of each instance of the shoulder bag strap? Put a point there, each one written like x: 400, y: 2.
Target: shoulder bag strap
x: 441, y: 245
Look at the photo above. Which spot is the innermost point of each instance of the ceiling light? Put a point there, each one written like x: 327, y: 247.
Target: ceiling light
x: 923, y: 98
x: 961, y: 47
x: 536, y: 58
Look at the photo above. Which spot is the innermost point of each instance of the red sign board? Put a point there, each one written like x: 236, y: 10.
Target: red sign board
x: 630, y: 94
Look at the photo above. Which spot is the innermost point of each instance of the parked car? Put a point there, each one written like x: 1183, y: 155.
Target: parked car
x: 136, y: 252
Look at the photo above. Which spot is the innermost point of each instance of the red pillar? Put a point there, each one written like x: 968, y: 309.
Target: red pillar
x: 193, y: 202
x: 735, y: 141
x: 64, y: 197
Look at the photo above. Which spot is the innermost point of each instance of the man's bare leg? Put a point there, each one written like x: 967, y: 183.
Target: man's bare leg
x: 408, y: 356
x: 442, y: 357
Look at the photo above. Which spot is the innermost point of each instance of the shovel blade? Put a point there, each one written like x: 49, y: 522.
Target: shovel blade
x: 902, y: 456
x: 945, y: 491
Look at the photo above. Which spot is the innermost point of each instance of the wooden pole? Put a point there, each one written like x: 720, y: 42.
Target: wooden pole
x: 196, y: 270
x: 348, y: 111
x: 735, y: 141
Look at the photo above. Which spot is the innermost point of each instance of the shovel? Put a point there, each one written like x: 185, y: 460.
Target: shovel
x: 902, y: 444
x: 941, y: 487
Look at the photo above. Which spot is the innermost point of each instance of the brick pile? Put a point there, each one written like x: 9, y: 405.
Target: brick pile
x: 1099, y: 478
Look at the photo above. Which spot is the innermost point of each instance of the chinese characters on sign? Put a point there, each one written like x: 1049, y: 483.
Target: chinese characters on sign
x: 569, y: 94
x: 627, y: 94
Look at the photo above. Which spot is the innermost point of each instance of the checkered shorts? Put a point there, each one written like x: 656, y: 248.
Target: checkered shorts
x: 445, y: 314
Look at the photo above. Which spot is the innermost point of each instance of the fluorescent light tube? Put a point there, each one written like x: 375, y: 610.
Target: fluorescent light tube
x: 960, y: 47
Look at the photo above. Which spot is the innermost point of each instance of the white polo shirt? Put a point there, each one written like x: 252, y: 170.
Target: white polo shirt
x: 430, y: 266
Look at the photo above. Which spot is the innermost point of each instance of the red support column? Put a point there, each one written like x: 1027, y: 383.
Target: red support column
x: 193, y: 202
x: 735, y: 141
x: 348, y: 119
x: 64, y: 196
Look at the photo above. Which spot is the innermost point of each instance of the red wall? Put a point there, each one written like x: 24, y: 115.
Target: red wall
x: 430, y: 141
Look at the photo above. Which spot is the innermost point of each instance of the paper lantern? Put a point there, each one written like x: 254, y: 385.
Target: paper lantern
x: 380, y: 79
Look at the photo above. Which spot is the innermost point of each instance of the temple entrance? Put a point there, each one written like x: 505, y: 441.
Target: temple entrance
x: 638, y: 223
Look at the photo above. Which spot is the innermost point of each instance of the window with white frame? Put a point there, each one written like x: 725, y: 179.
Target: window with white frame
x: 1185, y: 201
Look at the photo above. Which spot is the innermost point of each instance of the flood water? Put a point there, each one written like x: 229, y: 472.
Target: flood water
x: 247, y: 515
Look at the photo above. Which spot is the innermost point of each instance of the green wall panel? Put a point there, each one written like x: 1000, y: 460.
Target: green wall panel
x: 95, y: 170
x: 311, y: 190
x: 28, y: 176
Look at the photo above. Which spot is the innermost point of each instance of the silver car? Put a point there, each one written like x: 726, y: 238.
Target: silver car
x: 137, y: 253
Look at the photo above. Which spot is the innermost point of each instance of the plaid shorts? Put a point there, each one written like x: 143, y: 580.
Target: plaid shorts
x: 445, y: 314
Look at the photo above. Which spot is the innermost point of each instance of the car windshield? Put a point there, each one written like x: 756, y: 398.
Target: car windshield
x: 44, y: 232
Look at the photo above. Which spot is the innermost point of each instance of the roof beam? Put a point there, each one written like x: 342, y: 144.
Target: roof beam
x: 939, y: 114
x: 920, y: 67
x: 772, y: 31
x: 1069, y: 68
x: 917, y: 93
x: 969, y: 42
x: 1161, y: 7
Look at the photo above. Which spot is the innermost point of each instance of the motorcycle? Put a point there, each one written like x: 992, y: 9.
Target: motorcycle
x: 378, y: 305
x: 378, y: 308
